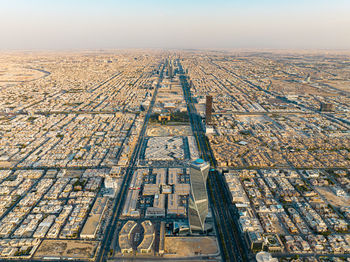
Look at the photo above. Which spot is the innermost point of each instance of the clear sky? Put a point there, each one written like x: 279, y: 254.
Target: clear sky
x: 95, y: 24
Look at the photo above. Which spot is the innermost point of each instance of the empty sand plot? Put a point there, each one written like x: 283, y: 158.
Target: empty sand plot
x: 335, y: 200
x: 190, y: 246
x: 15, y: 73
x: 169, y: 131
x: 67, y: 248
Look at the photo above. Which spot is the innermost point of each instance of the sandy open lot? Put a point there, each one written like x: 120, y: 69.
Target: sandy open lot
x: 190, y: 246
x: 156, y: 130
x: 67, y: 248
x: 18, y: 74
x: 332, y: 198
x: 342, y: 85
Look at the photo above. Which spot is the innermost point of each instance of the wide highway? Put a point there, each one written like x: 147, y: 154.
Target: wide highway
x: 232, y: 245
x: 120, y: 200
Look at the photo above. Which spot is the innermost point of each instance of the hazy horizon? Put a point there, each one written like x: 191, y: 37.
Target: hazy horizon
x: 108, y: 24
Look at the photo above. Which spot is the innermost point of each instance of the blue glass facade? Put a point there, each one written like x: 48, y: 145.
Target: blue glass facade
x: 198, y: 201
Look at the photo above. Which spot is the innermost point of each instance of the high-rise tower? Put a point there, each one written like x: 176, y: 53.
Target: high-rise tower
x: 170, y: 69
x: 326, y: 107
x: 198, y: 201
x: 208, y: 108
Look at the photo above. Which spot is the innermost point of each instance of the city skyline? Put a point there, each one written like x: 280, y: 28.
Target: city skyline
x: 161, y: 130
x: 163, y: 24
x: 109, y: 155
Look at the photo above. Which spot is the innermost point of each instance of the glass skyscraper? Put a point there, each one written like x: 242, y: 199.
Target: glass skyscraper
x: 198, y: 201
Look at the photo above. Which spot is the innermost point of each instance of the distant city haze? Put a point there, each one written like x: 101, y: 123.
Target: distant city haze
x: 106, y: 24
